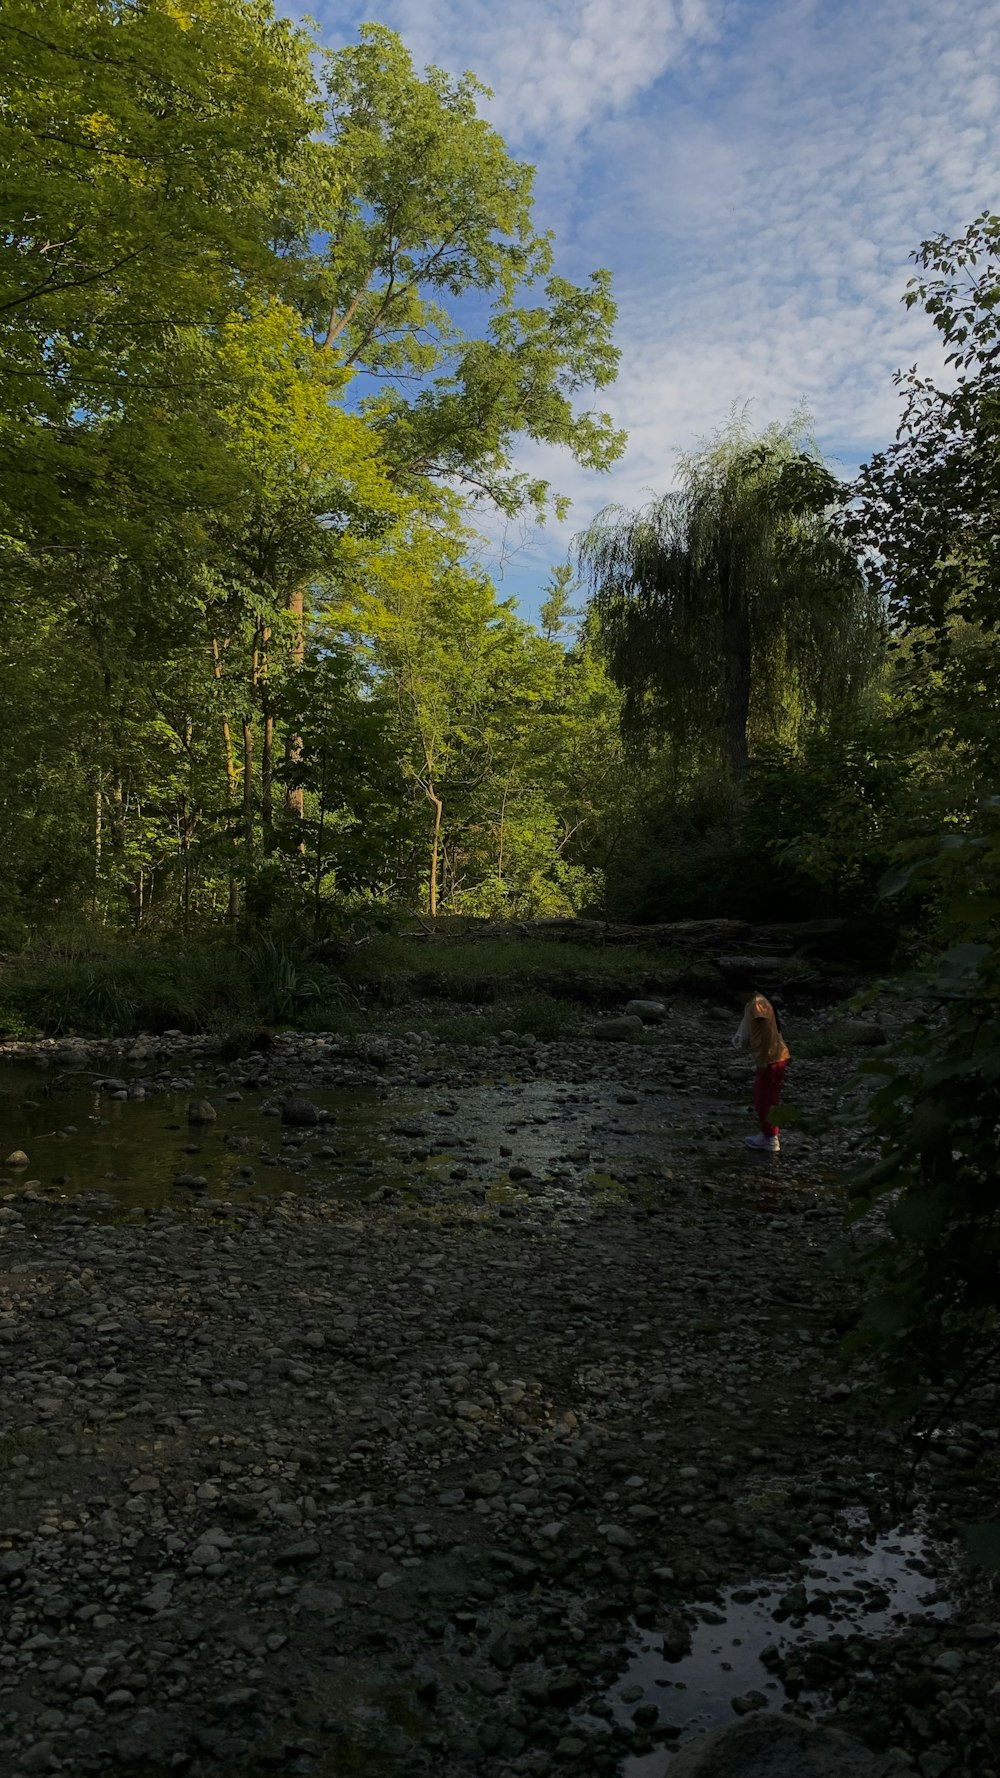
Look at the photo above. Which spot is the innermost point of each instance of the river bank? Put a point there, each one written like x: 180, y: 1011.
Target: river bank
x: 383, y: 1449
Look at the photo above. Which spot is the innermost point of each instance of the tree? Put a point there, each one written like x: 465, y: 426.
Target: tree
x: 347, y: 771
x: 928, y: 512
x: 556, y: 612
x: 726, y: 603
x: 420, y: 219
x: 266, y: 315
x: 142, y: 150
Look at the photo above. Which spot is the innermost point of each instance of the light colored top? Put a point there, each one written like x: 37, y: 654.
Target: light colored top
x: 759, y: 1033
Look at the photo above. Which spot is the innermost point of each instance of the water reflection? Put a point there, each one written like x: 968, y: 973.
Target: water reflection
x: 872, y: 1591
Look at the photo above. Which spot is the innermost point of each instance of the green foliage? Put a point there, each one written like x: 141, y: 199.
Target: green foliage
x: 933, y: 1285
x: 733, y: 605
x: 927, y: 510
x: 239, y: 384
x: 131, y: 989
x: 824, y: 816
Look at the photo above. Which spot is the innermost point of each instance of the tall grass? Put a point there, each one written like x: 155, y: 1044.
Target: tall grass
x: 468, y: 961
x: 146, y: 988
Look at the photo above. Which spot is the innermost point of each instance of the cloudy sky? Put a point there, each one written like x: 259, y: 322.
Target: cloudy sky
x: 755, y: 173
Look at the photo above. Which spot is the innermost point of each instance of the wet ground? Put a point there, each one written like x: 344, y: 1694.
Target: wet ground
x: 739, y: 1639
x: 405, y: 1441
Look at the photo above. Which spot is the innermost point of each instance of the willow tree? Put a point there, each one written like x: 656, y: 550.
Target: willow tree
x: 732, y: 601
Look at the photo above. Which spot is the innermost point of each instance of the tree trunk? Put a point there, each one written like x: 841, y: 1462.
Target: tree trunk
x: 267, y: 777
x: 267, y: 740
x: 438, y: 806
x: 98, y: 837
x: 317, y: 904
x: 233, y: 912
x: 248, y: 789
x: 294, y: 801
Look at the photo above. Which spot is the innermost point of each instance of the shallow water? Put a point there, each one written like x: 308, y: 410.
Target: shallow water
x: 80, y: 1138
x: 459, y: 1141
x: 870, y: 1592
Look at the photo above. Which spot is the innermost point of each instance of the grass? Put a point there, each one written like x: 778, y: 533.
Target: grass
x: 145, y: 988
x: 94, y: 984
x: 482, y: 970
x: 542, y: 1016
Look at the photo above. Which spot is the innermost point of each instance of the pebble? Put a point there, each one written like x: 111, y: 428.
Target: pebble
x: 344, y: 1434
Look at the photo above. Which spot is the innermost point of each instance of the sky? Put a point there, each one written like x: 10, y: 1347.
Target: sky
x: 755, y: 173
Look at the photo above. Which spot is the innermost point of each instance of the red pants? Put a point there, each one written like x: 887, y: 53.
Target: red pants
x: 767, y: 1085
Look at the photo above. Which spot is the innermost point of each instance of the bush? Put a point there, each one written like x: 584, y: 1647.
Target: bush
x: 144, y: 988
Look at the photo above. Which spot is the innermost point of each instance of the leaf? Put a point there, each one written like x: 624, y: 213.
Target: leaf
x: 889, y: 1315
x: 982, y: 1544
x: 919, y: 1216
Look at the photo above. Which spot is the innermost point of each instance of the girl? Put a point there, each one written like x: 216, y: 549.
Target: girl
x: 760, y: 1032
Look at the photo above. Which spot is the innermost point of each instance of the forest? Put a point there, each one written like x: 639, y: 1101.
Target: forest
x: 278, y: 330
x: 275, y: 322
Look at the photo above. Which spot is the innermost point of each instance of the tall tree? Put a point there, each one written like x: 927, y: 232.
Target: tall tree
x: 142, y: 152
x: 556, y: 614
x: 733, y: 595
x: 928, y: 514
x: 420, y: 223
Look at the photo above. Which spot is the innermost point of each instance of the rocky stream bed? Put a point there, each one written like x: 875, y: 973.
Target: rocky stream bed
x: 488, y: 1417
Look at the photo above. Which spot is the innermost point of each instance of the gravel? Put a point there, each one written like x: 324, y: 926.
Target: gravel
x: 318, y: 1481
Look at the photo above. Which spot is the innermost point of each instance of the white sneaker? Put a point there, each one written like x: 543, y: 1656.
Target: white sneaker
x: 770, y: 1144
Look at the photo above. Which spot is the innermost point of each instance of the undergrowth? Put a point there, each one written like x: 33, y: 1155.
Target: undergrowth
x: 142, y: 988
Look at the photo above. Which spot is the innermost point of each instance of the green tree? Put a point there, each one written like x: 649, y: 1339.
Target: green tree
x: 928, y: 512
x: 419, y: 219
x: 732, y: 605
x: 142, y: 149
x: 556, y: 614
x: 265, y: 317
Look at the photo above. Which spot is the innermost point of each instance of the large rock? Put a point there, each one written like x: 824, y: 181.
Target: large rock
x: 299, y: 1112
x: 201, y: 1111
x: 623, y: 1030
x: 780, y: 1747
x: 651, y: 1012
x: 157, y: 1736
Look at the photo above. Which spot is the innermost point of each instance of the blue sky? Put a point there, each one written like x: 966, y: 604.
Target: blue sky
x: 755, y: 173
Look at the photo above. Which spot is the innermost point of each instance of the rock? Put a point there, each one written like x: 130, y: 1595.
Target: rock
x: 651, y: 1012
x: 676, y: 1638
x: 196, y: 1182
x: 200, y: 1111
x: 621, y: 1030
x: 294, y: 1553
x: 321, y: 1602
x: 153, y: 1736
x: 767, y: 1746
x: 564, y: 1688
x: 299, y: 1112
x: 17, y: 1158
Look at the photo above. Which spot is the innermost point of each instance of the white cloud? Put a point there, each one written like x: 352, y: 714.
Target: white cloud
x: 556, y: 66
x: 756, y: 173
